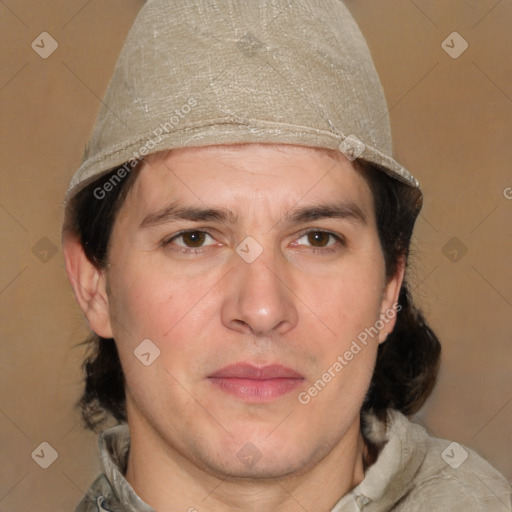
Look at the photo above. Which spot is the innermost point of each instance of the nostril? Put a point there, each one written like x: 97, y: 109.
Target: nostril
x: 242, y: 324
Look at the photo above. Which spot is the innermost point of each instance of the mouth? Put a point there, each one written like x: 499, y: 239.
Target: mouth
x: 255, y: 384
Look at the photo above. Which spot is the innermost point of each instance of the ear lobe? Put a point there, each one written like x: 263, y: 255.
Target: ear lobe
x: 89, y: 286
x: 390, y: 300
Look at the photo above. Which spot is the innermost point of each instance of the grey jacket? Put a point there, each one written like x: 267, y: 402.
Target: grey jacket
x: 414, y: 472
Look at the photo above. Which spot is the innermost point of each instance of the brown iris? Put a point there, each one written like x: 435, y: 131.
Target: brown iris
x: 318, y: 238
x: 194, y: 238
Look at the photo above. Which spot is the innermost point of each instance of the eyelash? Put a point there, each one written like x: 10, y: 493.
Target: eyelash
x: 198, y: 250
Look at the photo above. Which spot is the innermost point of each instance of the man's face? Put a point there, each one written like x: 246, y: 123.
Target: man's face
x: 248, y: 310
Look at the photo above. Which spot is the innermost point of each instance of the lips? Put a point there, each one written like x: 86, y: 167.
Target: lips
x: 249, y: 371
x: 256, y: 383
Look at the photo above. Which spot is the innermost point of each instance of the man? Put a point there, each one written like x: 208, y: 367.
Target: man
x: 237, y: 237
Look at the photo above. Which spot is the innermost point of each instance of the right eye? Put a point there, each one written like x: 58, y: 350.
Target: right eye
x: 189, y: 240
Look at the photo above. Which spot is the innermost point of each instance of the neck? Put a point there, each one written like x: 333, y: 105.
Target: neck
x: 170, y: 482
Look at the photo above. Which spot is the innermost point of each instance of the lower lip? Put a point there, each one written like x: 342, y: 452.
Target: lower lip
x: 256, y: 390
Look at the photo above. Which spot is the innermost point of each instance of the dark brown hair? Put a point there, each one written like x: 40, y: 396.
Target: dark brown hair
x: 407, y: 362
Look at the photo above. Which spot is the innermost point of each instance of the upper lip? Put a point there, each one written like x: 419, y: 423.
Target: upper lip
x: 250, y: 371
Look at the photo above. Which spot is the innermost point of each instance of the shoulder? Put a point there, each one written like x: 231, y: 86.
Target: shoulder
x: 415, y: 472
x: 454, y: 477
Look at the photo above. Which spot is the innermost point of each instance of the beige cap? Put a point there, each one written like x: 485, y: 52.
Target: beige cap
x: 204, y: 72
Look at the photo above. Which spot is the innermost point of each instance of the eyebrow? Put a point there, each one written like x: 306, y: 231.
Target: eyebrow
x: 346, y: 210
x: 174, y: 212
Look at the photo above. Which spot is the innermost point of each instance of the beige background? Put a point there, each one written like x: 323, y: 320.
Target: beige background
x: 451, y: 122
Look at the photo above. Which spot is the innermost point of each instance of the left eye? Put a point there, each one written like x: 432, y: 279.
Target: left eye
x: 320, y: 239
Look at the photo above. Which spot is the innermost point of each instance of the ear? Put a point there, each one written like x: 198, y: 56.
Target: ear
x: 89, y: 286
x: 388, y: 311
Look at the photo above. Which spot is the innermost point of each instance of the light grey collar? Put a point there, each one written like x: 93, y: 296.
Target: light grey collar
x: 114, y: 445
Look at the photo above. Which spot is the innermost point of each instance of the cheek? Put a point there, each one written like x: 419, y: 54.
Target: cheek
x: 149, y: 302
x: 347, y: 301
x: 346, y: 339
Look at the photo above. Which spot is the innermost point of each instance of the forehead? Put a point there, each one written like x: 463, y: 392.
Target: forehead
x: 260, y: 178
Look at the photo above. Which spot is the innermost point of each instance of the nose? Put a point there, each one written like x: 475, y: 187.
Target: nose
x: 259, y: 299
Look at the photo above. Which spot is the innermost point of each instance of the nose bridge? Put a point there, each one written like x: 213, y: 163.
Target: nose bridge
x: 259, y: 300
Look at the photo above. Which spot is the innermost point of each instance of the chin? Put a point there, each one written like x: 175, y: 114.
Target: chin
x: 260, y: 469
x: 260, y: 459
